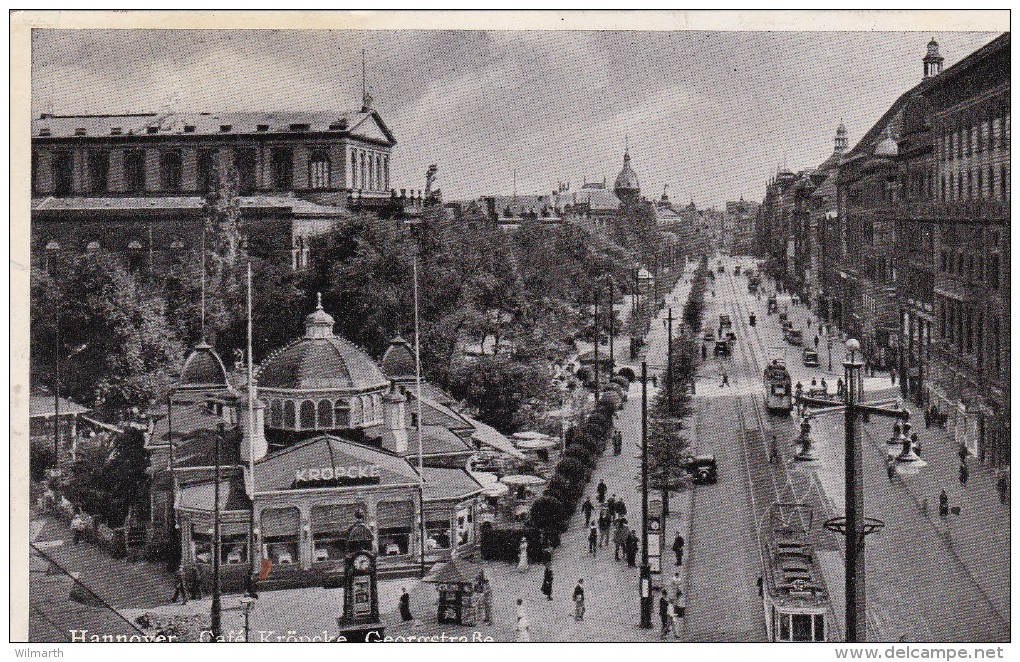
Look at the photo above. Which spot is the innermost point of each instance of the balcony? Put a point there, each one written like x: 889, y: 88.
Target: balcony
x: 983, y: 209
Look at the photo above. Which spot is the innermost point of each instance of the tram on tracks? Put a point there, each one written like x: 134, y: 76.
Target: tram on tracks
x: 796, y: 603
x: 778, y: 394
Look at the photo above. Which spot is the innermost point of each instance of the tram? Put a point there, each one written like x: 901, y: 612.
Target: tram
x: 796, y: 603
x: 778, y: 395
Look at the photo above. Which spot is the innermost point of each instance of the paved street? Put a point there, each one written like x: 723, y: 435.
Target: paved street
x: 918, y: 588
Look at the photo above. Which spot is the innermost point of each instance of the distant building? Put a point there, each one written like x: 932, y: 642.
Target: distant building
x: 135, y: 184
x: 739, y: 226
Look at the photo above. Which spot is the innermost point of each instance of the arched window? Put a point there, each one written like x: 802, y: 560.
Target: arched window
x: 276, y: 414
x: 135, y: 245
x: 319, y: 169
x: 357, y: 412
x: 177, y: 245
x: 52, y: 246
x: 354, y: 170
x: 362, y: 179
x: 289, y: 418
x: 92, y: 247
x: 307, y: 415
x: 341, y: 415
x: 325, y: 415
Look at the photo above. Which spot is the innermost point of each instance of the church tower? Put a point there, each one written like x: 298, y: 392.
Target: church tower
x: 841, y: 142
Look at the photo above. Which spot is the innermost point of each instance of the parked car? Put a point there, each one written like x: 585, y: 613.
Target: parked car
x: 709, y: 335
x: 722, y: 348
x: 795, y: 337
x: 810, y: 358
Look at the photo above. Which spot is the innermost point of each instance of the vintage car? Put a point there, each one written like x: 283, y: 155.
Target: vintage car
x: 810, y: 357
x: 722, y: 348
x: 794, y: 336
x: 702, y: 469
x: 709, y: 335
x: 736, y: 270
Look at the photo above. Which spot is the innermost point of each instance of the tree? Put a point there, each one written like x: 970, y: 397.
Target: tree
x: 547, y: 514
x: 497, y: 387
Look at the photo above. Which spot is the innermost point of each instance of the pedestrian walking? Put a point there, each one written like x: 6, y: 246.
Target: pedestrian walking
x: 840, y: 387
x: 678, y: 614
x: 180, y: 590
x: 523, y: 624
x: 593, y: 539
x: 665, y: 614
x: 927, y: 419
x: 547, y: 581
x: 943, y: 504
x: 619, y: 539
x: 963, y: 474
x: 725, y: 380
x: 676, y: 583
x: 77, y: 528
x: 825, y: 385
x: 773, y: 451
x: 816, y: 342
x: 704, y: 352
x: 611, y: 505
x: 962, y: 452
x: 405, y: 606
x: 522, y: 555
x: 605, y: 523
x: 194, y: 583
x: 678, y: 548
x: 621, y: 508
x: 632, y: 549
x: 890, y: 468
x: 1002, y: 487
x: 601, y: 492
x: 587, y: 508
x: 579, y: 600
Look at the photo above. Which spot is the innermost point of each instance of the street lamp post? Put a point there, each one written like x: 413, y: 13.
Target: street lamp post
x: 216, y: 610
x: 247, y: 602
x: 596, y: 345
x: 646, y: 571
x: 669, y: 361
x: 853, y: 524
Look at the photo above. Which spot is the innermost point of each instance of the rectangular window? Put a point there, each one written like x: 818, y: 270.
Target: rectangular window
x: 319, y: 170
x: 973, y: 140
x: 283, y: 168
x: 819, y: 627
x: 233, y: 548
x: 996, y: 133
x: 984, y: 141
x: 395, y: 521
x: 62, y: 173
x: 980, y: 183
x: 170, y: 169
x: 329, y: 530
x: 280, y: 532
x: 134, y: 170
x: 437, y: 533
x: 99, y: 170
x: 201, y: 543
x: 244, y: 163
x: 205, y: 166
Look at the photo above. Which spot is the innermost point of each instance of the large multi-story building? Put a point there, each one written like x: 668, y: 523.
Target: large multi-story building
x: 135, y: 184
x: 739, y: 227
x: 969, y: 107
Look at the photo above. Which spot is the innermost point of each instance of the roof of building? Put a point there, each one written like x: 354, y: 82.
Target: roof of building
x: 203, y: 369
x: 320, y: 360
x: 184, y: 420
x: 454, y: 571
x: 296, y: 206
x: 43, y: 405
x: 595, y: 197
x: 278, y: 471
x: 201, y: 496
x: 997, y: 44
x: 442, y: 483
x: 435, y: 440
x: 208, y: 124
x: 199, y: 449
x: 399, y: 361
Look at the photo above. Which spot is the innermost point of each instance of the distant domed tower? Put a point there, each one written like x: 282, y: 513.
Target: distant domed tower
x: 841, y: 142
x: 203, y: 370
x: 627, y: 188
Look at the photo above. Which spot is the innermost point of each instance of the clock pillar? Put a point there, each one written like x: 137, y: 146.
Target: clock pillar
x: 360, y: 619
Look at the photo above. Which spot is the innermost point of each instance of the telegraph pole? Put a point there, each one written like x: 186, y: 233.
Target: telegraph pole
x: 856, y: 618
x: 669, y: 361
x: 612, y: 317
x: 217, y: 608
x: 596, y: 345
x: 646, y: 571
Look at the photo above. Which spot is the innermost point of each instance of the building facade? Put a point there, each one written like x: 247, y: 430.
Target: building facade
x: 135, y: 184
x: 969, y: 106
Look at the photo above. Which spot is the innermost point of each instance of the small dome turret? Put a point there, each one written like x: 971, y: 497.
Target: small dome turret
x: 203, y: 369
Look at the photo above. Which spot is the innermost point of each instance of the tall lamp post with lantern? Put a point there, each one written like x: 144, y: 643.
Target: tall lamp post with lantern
x: 853, y: 525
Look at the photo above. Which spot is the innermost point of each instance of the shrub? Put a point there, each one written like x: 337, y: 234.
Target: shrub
x: 572, y: 470
x: 628, y: 374
x: 547, y: 513
x: 622, y: 382
x: 581, y: 454
x: 40, y: 458
x: 503, y: 543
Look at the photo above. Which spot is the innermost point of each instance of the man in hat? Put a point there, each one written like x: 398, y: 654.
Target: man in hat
x: 593, y: 539
x: 587, y: 508
x: 601, y: 491
x: 665, y: 614
x: 605, y: 523
x: 179, y: 589
x: 405, y: 606
x: 547, y: 581
x: 620, y: 538
x: 678, y: 548
x: 579, y: 600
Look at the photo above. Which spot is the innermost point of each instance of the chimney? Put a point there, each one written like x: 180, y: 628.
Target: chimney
x: 395, y: 402
x: 253, y: 437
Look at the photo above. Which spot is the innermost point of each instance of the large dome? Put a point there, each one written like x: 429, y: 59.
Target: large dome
x: 627, y: 185
x: 321, y: 361
x: 203, y: 369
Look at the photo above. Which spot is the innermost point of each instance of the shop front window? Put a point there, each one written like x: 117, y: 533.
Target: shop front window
x: 280, y: 530
x: 234, y: 548
x: 437, y: 533
x: 330, y: 525
x: 395, y: 525
x: 465, y: 526
x: 201, y: 544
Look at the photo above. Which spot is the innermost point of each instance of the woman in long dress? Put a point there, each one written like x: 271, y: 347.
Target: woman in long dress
x: 523, y: 624
x: 522, y: 561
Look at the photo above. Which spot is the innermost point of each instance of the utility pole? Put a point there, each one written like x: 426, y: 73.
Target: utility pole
x: 56, y: 398
x: 646, y: 571
x: 217, y: 607
x: 612, y: 317
x: 669, y: 361
x: 856, y: 618
x: 596, y: 345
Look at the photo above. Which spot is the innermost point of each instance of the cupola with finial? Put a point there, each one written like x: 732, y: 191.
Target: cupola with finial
x: 319, y: 323
x: 932, y: 60
x: 841, y: 141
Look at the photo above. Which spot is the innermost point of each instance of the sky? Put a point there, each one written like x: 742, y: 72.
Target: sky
x: 711, y: 114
